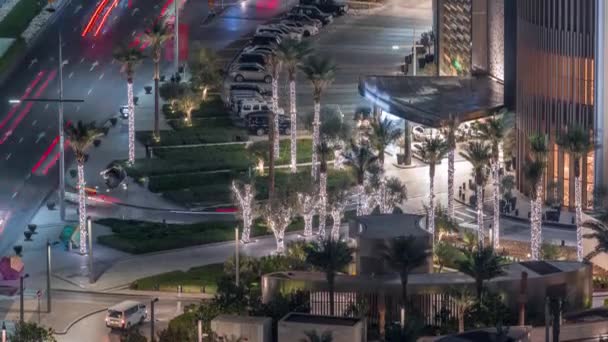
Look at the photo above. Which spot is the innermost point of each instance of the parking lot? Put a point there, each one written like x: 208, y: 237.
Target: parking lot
x: 361, y: 44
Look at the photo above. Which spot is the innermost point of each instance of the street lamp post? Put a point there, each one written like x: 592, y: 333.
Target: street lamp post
x: 48, y: 276
x: 176, y: 35
x: 152, y: 318
x: 21, y: 311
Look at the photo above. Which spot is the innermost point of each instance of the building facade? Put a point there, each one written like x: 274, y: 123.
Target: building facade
x: 556, y: 41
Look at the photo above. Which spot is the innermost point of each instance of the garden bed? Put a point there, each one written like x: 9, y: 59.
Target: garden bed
x: 19, y: 18
x: 201, y: 279
x: 139, y: 237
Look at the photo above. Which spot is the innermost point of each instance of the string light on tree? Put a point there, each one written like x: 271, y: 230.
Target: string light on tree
x: 131, y: 106
x: 337, y: 212
x: 244, y: 196
x: 322, y: 203
x: 307, y: 205
x: 496, y: 196
x: 578, y: 218
x: 293, y: 117
x: 278, y: 217
x: 82, y: 209
x: 536, y: 223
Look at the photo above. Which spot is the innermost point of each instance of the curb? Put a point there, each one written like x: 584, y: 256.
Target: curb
x: 78, y: 319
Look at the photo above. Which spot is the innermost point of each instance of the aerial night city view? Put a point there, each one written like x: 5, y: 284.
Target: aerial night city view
x: 303, y: 170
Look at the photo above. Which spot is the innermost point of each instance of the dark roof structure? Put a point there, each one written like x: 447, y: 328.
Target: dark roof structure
x: 429, y: 100
x: 317, y: 319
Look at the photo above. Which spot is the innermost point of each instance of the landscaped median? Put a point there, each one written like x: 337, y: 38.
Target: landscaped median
x: 201, y: 279
x: 12, y: 25
x: 138, y: 237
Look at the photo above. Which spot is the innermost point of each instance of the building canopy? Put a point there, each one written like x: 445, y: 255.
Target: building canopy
x: 430, y: 100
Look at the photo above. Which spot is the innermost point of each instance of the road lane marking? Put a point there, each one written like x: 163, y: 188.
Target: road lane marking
x: 40, y: 136
x: 66, y: 62
x: 32, y: 62
x: 34, y: 122
x: 93, y: 65
x: 20, y: 140
x: 8, y: 156
x: 101, y: 76
x: 71, y: 74
x: 78, y: 108
x: 89, y: 92
x: 14, y: 194
x: 46, y: 106
x: 78, y: 8
x: 81, y: 60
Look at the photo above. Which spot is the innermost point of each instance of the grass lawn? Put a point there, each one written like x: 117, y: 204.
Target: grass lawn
x: 218, y: 191
x: 171, y: 161
x: 11, y: 53
x: 193, y: 280
x: 138, y: 237
x: 19, y: 18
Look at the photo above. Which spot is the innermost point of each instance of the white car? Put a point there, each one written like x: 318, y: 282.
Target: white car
x: 126, y: 314
x: 278, y: 31
x: 307, y: 29
x: 294, y: 32
x: 236, y: 66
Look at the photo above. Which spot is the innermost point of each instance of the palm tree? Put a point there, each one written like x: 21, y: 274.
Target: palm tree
x: 330, y: 256
x: 402, y: 255
x: 391, y: 192
x: 337, y: 204
x: 493, y: 131
x: 384, y: 133
x: 130, y: 58
x: 156, y: 37
x: 481, y: 264
x: 478, y: 154
x: 313, y: 336
x: 464, y: 300
x: 323, y: 150
x: 81, y: 137
x: 291, y: 53
x: 577, y: 142
x: 449, y: 130
x: 600, y: 233
x: 432, y: 151
x: 320, y: 71
x: 360, y: 159
x: 534, y: 172
x: 274, y: 65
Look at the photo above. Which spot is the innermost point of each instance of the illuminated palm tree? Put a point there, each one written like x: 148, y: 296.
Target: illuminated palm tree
x: 274, y: 65
x: 534, y: 172
x: 384, y: 133
x: 292, y: 52
x: 130, y: 58
x: 481, y: 264
x: 320, y: 71
x: 494, y: 131
x: 156, y: 37
x: 449, y: 130
x: 577, y: 143
x: 360, y: 159
x: 432, y: 151
x: 599, y: 233
x: 80, y: 138
x: 323, y: 150
x: 478, y: 154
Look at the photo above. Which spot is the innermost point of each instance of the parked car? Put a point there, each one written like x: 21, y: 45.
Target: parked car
x: 277, y: 30
x: 303, y: 18
x: 126, y: 314
x: 261, y: 49
x: 253, y: 72
x: 257, y: 123
x: 258, y: 58
x: 241, y: 91
x: 124, y: 112
x: 235, y: 66
x: 308, y: 29
x: 336, y: 7
x: 247, y: 106
x: 314, y: 13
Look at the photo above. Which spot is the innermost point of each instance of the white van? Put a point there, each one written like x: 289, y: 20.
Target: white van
x: 126, y: 314
x: 250, y: 105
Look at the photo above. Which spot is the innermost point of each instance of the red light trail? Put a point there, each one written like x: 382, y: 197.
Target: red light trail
x: 28, y: 90
x: 28, y: 107
x: 105, y: 17
x: 93, y: 18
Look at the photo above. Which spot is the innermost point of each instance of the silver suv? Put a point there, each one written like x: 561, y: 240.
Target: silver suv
x: 250, y: 72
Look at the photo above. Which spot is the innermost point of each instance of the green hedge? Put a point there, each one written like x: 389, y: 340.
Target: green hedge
x: 173, y: 182
x: 19, y: 18
x: 192, y: 280
x: 11, y: 53
x: 138, y: 237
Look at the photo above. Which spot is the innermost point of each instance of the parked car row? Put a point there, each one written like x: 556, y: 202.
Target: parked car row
x: 252, y: 101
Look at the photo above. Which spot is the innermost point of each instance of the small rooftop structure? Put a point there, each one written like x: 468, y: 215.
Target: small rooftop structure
x: 294, y: 326
x: 372, y: 232
x: 429, y: 100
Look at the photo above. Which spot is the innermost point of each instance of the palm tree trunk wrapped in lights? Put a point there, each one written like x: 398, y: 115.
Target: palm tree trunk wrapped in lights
x: 293, y: 129
x: 81, y: 137
x: 478, y: 153
x: 536, y: 232
x: 322, y: 202
x: 449, y: 130
x: 577, y: 142
x: 275, y: 109
x: 578, y: 216
x: 307, y: 205
x: 291, y: 53
x: 451, y: 170
x: 130, y: 58
x: 244, y: 196
x: 390, y: 193
x: 480, y: 229
x: 320, y: 71
x: 534, y: 173
x: 432, y: 150
x: 496, y: 206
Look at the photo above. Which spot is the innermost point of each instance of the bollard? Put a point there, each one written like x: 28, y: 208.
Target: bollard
x: 179, y: 289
